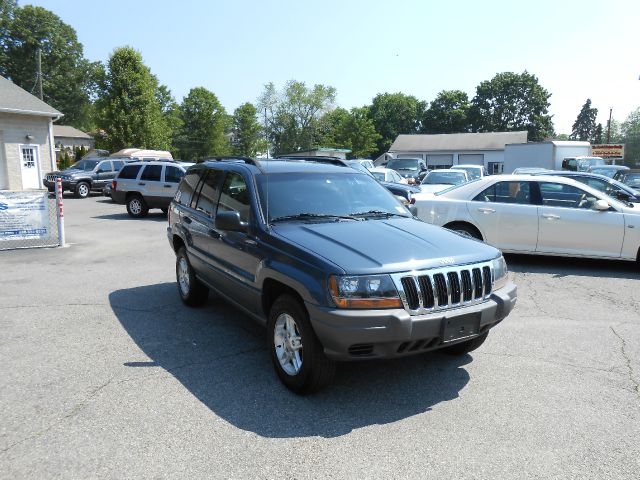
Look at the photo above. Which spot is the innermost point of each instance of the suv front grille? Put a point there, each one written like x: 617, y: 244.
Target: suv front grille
x: 444, y: 288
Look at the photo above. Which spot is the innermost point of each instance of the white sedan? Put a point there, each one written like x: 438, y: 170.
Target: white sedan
x: 437, y: 180
x: 537, y: 215
x: 387, y: 175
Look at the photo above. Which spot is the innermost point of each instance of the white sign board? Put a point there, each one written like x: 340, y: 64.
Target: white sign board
x: 24, y: 215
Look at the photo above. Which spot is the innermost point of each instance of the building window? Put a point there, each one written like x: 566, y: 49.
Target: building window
x: 28, y: 157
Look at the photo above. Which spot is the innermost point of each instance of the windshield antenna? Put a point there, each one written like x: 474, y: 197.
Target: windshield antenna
x: 266, y: 137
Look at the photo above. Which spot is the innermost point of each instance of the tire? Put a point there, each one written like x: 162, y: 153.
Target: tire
x: 297, y: 354
x: 137, y: 207
x: 466, y: 230
x: 82, y: 190
x: 465, y: 347
x: 192, y: 292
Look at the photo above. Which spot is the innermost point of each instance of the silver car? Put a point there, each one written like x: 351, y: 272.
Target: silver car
x: 538, y: 215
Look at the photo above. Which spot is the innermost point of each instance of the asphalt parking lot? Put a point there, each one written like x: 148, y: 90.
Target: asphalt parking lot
x: 105, y: 374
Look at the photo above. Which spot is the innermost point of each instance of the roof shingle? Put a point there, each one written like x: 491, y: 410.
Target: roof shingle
x: 456, y: 141
x: 14, y: 99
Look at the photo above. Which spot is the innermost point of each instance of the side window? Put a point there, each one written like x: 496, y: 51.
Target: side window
x: 186, y: 188
x: 507, y: 192
x: 104, y: 167
x: 151, y: 173
x: 129, y: 172
x: 172, y: 174
x: 235, y: 196
x: 566, y: 196
x: 117, y: 165
x: 209, y: 192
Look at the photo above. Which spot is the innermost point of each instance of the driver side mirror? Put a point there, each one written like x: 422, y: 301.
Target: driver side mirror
x: 601, y: 205
x: 230, y: 221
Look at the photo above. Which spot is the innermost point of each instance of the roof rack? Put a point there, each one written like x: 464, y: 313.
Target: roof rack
x: 330, y: 160
x: 247, y: 160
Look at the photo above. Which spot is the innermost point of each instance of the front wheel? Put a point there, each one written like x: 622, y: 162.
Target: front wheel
x: 466, y: 347
x: 192, y: 291
x: 296, y: 352
x: 137, y: 207
x: 82, y: 190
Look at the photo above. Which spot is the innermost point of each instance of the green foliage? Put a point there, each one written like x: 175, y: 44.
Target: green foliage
x: 597, y: 135
x: 64, y: 160
x: 448, y: 113
x: 631, y: 138
x: 66, y: 74
x: 613, y: 134
x: 292, y: 115
x: 171, y: 114
x: 247, y: 131
x: 353, y: 130
x: 78, y: 153
x: 584, y: 128
x: 204, y: 122
x: 394, y: 114
x: 128, y: 109
x: 512, y: 102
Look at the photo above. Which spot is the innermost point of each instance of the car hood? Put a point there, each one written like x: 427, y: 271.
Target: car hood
x: 69, y: 172
x: 434, y: 187
x: 385, y: 246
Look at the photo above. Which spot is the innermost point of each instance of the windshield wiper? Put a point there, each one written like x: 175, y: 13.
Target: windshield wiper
x: 312, y: 216
x: 378, y: 213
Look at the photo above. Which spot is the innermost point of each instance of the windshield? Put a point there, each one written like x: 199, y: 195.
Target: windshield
x: 379, y: 176
x: 321, y: 197
x: 632, y: 180
x: 403, y: 164
x: 447, y: 178
x: 471, y: 171
x: 86, y: 165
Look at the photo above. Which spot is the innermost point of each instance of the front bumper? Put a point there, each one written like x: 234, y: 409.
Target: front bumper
x: 359, y: 334
x: 66, y: 184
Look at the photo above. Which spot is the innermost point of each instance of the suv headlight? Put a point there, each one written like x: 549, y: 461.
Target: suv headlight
x: 499, y: 267
x: 364, y: 291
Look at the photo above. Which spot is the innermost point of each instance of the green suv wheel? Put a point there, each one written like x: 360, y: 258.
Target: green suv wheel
x: 192, y: 291
x: 297, y: 354
x: 82, y: 190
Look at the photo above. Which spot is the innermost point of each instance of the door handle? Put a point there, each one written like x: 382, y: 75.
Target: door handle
x: 550, y: 216
x: 486, y: 210
x: 141, y: 183
x: 167, y: 186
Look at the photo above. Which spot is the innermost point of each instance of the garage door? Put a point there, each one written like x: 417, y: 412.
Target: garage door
x: 470, y: 159
x: 439, y: 161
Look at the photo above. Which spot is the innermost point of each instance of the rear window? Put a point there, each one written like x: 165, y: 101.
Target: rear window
x: 129, y: 171
x: 187, y: 187
x: 151, y: 173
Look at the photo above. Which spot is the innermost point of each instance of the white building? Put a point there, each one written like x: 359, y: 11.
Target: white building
x: 449, y: 149
x: 26, y: 138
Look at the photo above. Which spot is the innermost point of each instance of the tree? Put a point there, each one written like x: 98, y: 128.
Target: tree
x: 584, y: 128
x: 66, y: 74
x: 394, y: 114
x: 448, y: 113
x: 292, y: 115
x: 248, y: 135
x: 631, y: 137
x: 171, y: 114
x: 353, y: 130
x: 204, y: 122
x: 597, y: 135
x: 128, y: 109
x: 512, y: 102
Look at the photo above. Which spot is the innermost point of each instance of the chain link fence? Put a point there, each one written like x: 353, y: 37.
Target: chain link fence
x: 18, y: 235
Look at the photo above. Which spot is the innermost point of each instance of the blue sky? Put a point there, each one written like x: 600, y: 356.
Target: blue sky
x: 577, y: 49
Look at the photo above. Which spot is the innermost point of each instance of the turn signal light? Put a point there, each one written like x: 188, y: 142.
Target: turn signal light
x: 114, y: 184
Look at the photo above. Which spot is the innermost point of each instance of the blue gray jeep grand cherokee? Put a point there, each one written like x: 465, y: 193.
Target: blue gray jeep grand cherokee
x: 332, y: 264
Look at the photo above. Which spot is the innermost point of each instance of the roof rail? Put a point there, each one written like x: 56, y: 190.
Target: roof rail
x: 330, y: 160
x: 247, y: 160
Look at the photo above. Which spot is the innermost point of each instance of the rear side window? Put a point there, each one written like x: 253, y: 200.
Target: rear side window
x: 172, y: 174
x: 209, y: 193
x: 235, y: 196
x: 117, y: 164
x: 186, y: 188
x: 506, y: 192
x: 151, y: 173
x: 129, y: 171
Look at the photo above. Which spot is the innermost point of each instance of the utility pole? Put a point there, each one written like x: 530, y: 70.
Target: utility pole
x: 39, y: 71
x: 609, y: 126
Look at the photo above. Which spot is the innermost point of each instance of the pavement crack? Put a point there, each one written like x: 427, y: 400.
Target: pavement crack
x: 552, y: 362
x: 623, y: 350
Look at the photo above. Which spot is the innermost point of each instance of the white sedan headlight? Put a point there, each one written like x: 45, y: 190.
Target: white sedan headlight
x: 499, y: 267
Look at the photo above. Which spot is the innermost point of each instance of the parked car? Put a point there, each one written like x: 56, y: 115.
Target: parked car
x: 307, y: 249
x: 437, y: 180
x: 383, y: 174
x: 474, y: 171
x: 609, y: 186
x: 545, y: 215
x: 147, y: 184
x: 581, y: 163
x: 86, y: 175
x: 607, y: 170
x: 629, y: 177
x: 366, y: 162
x: 413, y: 169
x: 529, y: 170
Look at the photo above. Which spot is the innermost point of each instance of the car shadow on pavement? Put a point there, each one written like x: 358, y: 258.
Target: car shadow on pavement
x: 221, y: 357
x: 567, y: 266
x: 152, y: 216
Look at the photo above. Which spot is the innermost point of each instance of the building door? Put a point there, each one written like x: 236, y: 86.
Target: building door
x: 471, y: 159
x: 30, y: 164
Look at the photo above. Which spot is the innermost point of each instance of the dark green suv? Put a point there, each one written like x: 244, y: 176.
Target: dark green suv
x: 332, y: 264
